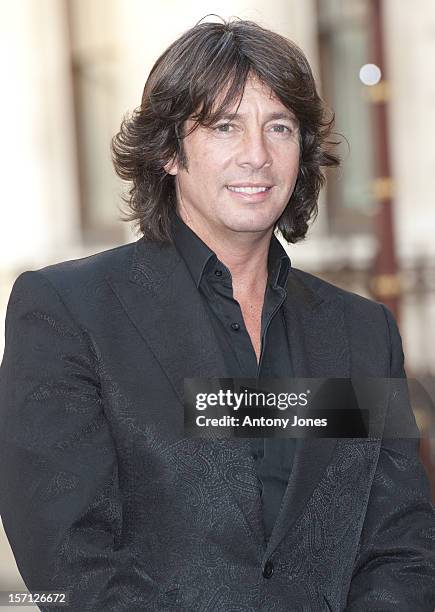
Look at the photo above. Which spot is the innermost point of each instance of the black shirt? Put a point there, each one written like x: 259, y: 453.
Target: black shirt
x: 273, y: 456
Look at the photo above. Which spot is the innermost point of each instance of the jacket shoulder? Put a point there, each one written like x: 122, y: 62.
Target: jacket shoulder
x: 328, y: 291
x: 91, y: 269
x: 371, y: 327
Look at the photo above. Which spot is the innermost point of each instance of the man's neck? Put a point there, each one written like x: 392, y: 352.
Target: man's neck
x: 245, y: 254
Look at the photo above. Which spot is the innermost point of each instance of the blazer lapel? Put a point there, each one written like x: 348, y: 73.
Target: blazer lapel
x: 164, y: 304
x: 319, y: 349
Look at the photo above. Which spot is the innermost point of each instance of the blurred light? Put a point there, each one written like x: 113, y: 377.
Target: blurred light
x: 370, y: 74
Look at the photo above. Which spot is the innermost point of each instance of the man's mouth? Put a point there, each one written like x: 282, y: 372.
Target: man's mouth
x: 249, y: 189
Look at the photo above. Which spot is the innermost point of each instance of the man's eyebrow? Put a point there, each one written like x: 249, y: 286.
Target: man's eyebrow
x: 270, y: 117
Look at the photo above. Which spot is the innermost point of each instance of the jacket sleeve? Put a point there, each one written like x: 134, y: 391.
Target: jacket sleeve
x: 59, y: 489
x: 395, y: 564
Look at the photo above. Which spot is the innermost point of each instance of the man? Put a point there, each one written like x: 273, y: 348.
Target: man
x: 102, y: 495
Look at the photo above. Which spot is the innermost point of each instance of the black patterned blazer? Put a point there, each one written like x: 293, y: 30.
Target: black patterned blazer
x: 102, y: 496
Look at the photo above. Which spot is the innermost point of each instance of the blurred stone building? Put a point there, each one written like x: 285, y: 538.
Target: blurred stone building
x: 71, y: 69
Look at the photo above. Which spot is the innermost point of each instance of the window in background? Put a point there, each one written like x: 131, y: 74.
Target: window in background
x: 93, y: 59
x: 343, y: 48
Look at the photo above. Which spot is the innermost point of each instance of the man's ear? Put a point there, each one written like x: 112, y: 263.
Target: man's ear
x: 172, y: 166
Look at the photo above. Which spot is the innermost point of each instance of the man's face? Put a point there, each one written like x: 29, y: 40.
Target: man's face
x: 241, y: 171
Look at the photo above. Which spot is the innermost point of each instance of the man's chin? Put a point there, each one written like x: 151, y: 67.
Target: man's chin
x: 249, y: 226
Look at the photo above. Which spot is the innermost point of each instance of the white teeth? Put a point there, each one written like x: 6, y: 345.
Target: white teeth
x: 248, y: 189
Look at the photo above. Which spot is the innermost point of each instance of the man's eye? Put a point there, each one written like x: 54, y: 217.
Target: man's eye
x: 223, y: 127
x: 281, y: 129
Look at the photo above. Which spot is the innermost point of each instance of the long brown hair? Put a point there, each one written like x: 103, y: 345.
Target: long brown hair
x: 184, y: 83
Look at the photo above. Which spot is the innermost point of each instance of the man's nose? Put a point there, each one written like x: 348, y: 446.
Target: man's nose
x: 254, y: 150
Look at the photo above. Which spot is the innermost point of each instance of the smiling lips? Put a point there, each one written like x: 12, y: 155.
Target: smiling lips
x: 249, y: 189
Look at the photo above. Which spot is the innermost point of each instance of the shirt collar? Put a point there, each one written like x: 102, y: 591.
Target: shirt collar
x: 196, y: 254
x: 192, y: 249
x: 278, y: 264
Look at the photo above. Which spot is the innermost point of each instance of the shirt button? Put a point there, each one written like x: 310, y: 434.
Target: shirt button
x: 268, y: 570
x: 218, y: 272
x: 235, y: 326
